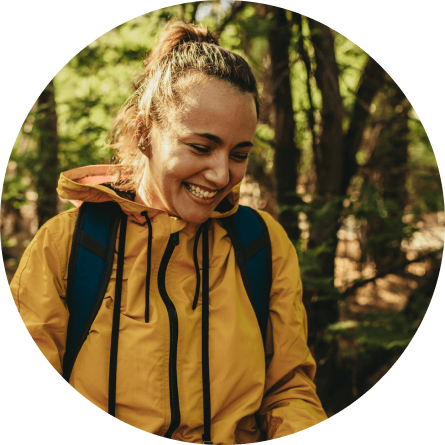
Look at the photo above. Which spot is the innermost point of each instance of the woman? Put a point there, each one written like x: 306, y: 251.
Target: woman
x: 183, y: 138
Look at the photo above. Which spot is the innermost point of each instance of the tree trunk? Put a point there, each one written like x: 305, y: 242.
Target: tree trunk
x: 287, y: 154
x: 328, y: 158
x: 47, y: 165
x: 310, y: 112
x: 371, y: 81
x: 389, y: 173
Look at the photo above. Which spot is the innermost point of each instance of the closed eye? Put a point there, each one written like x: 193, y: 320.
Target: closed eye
x: 201, y: 149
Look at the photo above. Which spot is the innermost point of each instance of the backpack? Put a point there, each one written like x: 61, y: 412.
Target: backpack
x: 92, y: 255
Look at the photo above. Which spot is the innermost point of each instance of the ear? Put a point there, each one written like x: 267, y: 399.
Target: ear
x: 142, y: 128
x: 142, y: 134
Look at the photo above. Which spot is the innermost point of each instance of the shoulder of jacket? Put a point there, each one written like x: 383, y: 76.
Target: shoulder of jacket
x: 61, y: 220
x: 52, y: 244
x: 280, y: 243
x: 272, y: 224
x: 60, y: 228
x: 277, y: 234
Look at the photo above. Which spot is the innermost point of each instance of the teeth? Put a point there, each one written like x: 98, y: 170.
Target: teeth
x: 195, y: 190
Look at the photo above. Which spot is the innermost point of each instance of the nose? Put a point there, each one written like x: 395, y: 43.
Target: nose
x: 218, y: 170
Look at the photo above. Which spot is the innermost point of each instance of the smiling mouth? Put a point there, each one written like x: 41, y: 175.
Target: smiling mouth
x: 199, y: 193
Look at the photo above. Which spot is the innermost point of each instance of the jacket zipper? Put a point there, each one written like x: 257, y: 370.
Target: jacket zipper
x: 173, y: 320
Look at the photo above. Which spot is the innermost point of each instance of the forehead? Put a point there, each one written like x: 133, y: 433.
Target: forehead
x: 214, y: 106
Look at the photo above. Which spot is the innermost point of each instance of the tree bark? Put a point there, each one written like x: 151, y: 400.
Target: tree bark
x: 389, y: 174
x: 310, y: 112
x: 371, y: 81
x: 47, y: 165
x: 329, y: 159
x: 287, y: 154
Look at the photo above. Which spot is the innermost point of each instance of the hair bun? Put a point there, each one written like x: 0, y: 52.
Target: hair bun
x: 182, y: 32
x: 174, y: 35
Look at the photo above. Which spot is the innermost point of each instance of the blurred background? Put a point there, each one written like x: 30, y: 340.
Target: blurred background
x: 340, y: 159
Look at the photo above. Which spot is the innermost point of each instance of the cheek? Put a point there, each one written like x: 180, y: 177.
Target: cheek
x: 167, y: 166
x: 237, y: 172
x: 174, y: 173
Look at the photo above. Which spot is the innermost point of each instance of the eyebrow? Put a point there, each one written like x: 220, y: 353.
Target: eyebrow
x: 218, y: 140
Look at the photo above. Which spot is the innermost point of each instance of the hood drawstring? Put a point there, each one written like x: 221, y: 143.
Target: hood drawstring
x: 195, y: 259
x: 203, y: 229
x: 206, y: 437
x: 116, y: 318
x: 147, y: 276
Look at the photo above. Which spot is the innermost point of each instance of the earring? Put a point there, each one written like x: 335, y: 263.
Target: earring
x: 141, y: 145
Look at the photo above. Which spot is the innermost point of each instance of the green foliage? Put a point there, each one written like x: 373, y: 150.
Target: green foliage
x: 390, y: 228
x: 262, y: 153
x: 248, y: 37
x: 424, y: 184
x: 14, y: 191
x: 350, y: 61
x: 93, y: 87
x: 388, y: 330
x: 21, y: 168
x: 9, y: 242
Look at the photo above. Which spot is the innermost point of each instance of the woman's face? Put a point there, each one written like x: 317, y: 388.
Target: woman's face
x: 201, y: 154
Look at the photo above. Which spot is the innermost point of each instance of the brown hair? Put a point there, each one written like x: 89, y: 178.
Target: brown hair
x: 184, y: 51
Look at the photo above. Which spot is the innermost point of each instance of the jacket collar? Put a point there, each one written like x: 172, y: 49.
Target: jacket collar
x: 87, y: 184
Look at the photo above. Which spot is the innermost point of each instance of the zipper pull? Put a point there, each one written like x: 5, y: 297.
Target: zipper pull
x: 175, y: 238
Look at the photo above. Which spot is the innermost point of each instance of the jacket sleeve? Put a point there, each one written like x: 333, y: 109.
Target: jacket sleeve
x: 290, y: 403
x: 39, y: 287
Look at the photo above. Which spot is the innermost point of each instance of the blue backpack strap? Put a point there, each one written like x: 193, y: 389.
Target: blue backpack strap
x: 251, y: 242
x: 89, y: 272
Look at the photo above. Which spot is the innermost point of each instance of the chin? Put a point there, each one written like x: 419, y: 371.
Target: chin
x: 196, y: 219
x: 196, y: 214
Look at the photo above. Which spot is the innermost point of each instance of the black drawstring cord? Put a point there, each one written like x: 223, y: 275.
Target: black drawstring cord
x: 116, y: 318
x: 206, y: 437
x: 147, y: 276
x: 195, y: 259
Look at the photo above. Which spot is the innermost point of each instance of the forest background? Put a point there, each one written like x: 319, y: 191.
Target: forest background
x: 340, y: 158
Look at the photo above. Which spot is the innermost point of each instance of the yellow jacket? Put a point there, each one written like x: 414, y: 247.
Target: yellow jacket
x: 283, y: 393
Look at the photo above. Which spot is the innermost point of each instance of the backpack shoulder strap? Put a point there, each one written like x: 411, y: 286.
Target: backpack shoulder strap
x: 251, y: 242
x: 89, y: 271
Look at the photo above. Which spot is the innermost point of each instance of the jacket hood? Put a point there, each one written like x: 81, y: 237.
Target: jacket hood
x: 90, y: 184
